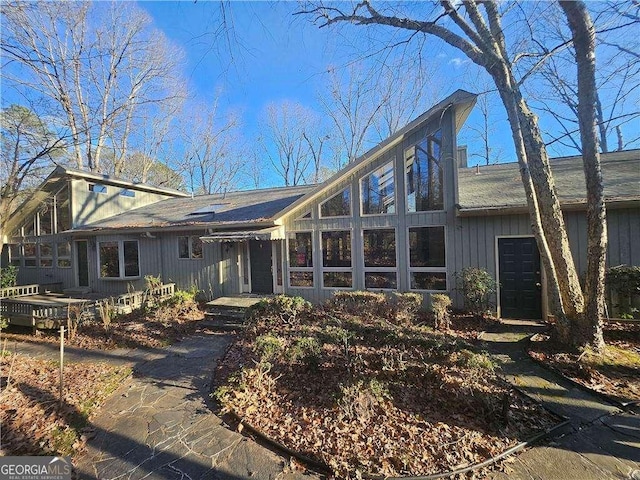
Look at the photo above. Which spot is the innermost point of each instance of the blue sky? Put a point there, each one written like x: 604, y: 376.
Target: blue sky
x: 274, y: 55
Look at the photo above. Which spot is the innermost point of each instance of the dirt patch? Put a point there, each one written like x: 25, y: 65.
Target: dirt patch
x: 616, y: 373
x: 34, y: 422
x: 364, y: 395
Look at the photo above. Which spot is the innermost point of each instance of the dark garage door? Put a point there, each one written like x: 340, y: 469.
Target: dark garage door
x: 261, y: 275
x: 520, y: 286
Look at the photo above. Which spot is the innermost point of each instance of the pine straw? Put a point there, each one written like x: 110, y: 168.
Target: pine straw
x: 616, y: 373
x: 418, y: 402
x: 33, y: 421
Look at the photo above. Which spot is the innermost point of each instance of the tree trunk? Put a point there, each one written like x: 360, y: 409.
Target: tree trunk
x: 587, y: 330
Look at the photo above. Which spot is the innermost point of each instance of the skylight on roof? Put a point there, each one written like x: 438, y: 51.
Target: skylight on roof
x: 209, y: 209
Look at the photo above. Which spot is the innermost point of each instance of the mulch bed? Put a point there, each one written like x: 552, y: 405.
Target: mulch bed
x: 33, y: 420
x: 153, y: 329
x: 369, y: 396
x: 616, y: 374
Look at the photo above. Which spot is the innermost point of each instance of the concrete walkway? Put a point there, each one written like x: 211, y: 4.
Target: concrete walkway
x: 160, y: 425
x: 602, y: 441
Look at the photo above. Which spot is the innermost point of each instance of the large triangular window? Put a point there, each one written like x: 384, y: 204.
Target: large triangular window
x: 337, y: 206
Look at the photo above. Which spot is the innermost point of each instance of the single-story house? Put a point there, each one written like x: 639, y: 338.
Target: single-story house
x: 406, y: 216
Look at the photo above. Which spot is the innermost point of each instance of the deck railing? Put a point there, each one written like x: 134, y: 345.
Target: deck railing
x: 22, y: 312
x: 26, y: 290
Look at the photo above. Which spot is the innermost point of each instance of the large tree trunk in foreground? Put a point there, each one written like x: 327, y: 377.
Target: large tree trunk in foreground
x: 587, y: 328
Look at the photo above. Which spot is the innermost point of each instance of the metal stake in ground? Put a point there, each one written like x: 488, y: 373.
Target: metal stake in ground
x: 61, y: 362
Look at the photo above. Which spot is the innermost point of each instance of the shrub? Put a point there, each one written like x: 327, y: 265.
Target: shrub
x: 360, y: 303
x: 624, y: 281
x: 8, y: 276
x: 152, y: 281
x: 268, y: 347
x: 468, y: 359
x: 477, y: 286
x: 359, y: 400
x: 306, y: 349
x: 440, y: 304
x: 407, y: 306
x: 282, y: 308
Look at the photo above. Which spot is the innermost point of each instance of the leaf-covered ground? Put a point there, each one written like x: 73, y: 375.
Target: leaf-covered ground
x: 616, y: 373
x: 364, y: 393
x: 154, y: 328
x: 33, y: 420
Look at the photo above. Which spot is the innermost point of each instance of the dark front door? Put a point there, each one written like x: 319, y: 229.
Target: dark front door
x: 261, y: 275
x: 82, y: 263
x: 520, y: 285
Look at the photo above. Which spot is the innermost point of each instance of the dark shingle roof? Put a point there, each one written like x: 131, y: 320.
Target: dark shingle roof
x: 229, y: 209
x: 499, y: 186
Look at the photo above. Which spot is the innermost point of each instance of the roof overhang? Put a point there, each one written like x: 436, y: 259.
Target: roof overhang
x: 273, y: 233
x: 614, y: 203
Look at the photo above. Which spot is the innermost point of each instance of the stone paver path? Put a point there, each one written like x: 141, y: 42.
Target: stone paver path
x: 602, y: 442
x: 160, y: 425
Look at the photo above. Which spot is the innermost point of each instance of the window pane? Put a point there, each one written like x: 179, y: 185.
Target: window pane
x: 196, y: 247
x: 337, y: 206
x: 379, y: 248
x: 300, y: 250
x: 380, y: 280
x: 46, y: 250
x: 109, y: 260
x: 337, y: 279
x: 29, y: 229
x: 46, y: 218
x: 46, y: 262
x: 127, y: 193
x: 97, y: 188
x: 14, y: 254
x: 131, y: 266
x: 29, y: 249
x: 64, y: 263
x: 378, y: 191
x: 428, y: 281
x: 424, y: 175
x: 63, y: 212
x: 29, y: 262
x: 336, y: 249
x: 301, y: 279
x: 183, y: 247
x: 426, y: 247
x: 64, y: 249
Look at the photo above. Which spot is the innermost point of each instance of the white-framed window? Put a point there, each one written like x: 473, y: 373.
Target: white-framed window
x: 190, y: 247
x: 15, y: 254
x: 337, y: 269
x: 300, y: 257
x: 380, y: 259
x: 125, y: 192
x: 427, y: 258
x: 119, y: 259
x: 30, y: 254
x: 97, y: 188
x: 46, y: 255
x: 63, y: 254
x: 424, y: 175
x: 339, y: 205
x: 45, y: 217
x: 63, y: 210
x: 305, y: 216
x: 377, y: 191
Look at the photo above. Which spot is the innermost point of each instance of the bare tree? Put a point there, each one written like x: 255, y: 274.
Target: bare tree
x: 29, y: 146
x: 99, y: 74
x: 475, y: 28
x: 286, y: 140
x: 210, y: 137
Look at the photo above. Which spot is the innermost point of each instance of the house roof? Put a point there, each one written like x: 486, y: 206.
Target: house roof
x: 499, y: 187
x: 460, y: 98
x: 230, y: 210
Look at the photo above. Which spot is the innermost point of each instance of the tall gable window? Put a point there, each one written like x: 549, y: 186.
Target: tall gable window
x: 427, y: 259
x: 63, y: 210
x: 300, y: 249
x: 379, y: 248
x: 424, y: 174
x: 378, y: 191
x: 45, y: 217
x: 337, y: 206
x: 190, y: 247
x: 119, y: 259
x: 46, y: 255
x: 336, y: 259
